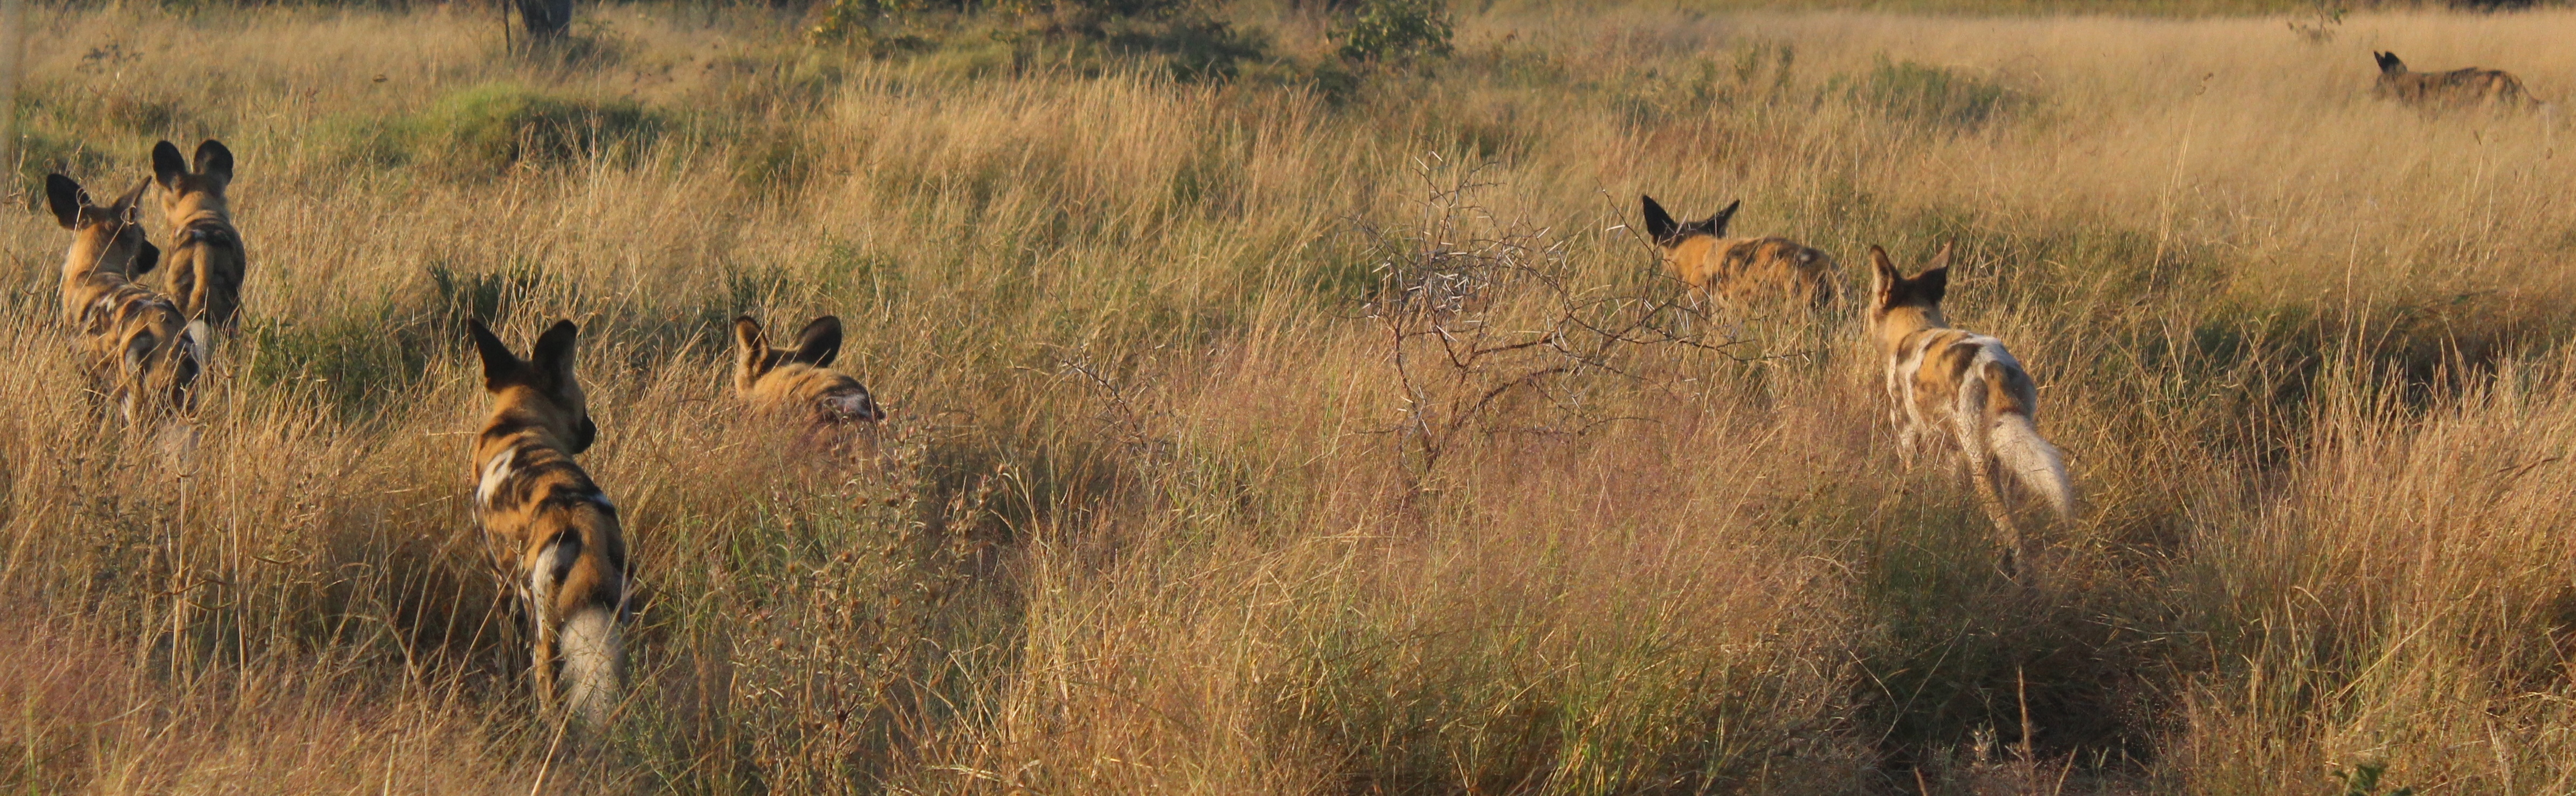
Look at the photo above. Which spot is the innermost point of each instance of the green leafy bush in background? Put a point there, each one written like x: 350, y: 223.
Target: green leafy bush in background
x: 1396, y: 30
x: 1933, y: 96
x: 495, y: 125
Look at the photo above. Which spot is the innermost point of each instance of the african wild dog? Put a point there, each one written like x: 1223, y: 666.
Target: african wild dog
x: 206, y: 258
x: 1962, y: 385
x: 800, y: 382
x: 136, y: 346
x: 548, y: 528
x: 1741, y: 271
x: 2458, y: 86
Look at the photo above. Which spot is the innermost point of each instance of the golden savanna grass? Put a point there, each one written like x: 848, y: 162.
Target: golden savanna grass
x: 1216, y: 462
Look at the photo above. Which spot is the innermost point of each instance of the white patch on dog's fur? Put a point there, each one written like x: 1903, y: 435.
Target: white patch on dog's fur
x: 541, y: 585
x: 851, y: 404
x: 593, y: 653
x: 194, y: 341
x: 495, y: 472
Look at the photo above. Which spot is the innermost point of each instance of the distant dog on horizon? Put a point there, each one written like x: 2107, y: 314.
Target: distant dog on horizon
x: 1742, y: 272
x: 2459, y: 86
x: 1953, y: 384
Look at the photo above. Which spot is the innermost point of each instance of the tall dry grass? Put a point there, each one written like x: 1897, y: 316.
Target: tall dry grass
x: 1184, y: 491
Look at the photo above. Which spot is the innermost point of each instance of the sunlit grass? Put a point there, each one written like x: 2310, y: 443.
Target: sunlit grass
x: 1182, y: 491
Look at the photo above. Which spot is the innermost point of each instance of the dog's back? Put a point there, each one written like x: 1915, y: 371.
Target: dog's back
x: 206, y: 261
x: 799, y: 383
x: 1769, y: 270
x: 1744, y: 272
x: 136, y: 346
x: 2460, y: 86
x: 548, y: 527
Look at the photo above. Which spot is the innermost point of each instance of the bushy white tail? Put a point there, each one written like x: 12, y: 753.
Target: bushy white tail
x: 2019, y: 450
x: 593, y: 652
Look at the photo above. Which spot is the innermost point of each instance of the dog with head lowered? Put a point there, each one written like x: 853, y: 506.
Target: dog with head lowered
x: 206, y: 262
x: 799, y: 383
x: 138, y: 349
x: 2458, y: 86
x: 1961, y: 387
x: 548, y: 528
x: 1744, y: 272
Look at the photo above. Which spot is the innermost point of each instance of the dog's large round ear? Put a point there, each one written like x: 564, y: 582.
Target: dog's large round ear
x: 552, y: 360
x: 216, y: 159
x: 750, y: 351
x: 64, y: 196
x: 129, y: 206
x: 500, y: 367
x: 1934, y: 284
x: 819, y: 343
x: 145, y: 259
x: 1883, y: 276
x: 1659, y: 224
x: 167, y: 165
x: 1716, y: 224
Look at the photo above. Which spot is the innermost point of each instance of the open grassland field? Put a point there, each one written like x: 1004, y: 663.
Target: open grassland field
x: 1287, y: 426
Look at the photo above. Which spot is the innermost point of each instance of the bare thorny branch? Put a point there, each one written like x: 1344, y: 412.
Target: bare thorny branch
x: 1476, y: 311
x: 1128, y: 412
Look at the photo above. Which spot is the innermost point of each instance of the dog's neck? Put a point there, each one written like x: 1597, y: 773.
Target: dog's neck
x: 1894, y: 324
x: 196, y: 206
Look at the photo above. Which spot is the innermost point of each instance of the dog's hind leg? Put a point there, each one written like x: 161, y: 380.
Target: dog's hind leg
x: 1981, y: 469
x: 1990, y: 494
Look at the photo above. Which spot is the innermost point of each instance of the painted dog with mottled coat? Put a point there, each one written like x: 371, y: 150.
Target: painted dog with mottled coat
x: 206, y: 261
x: 2458, y: 86
x: 1953, y: 384
x: 799, y: 382
x: 1743, y: 272
x: 136, y: 347
x: 548, y: 528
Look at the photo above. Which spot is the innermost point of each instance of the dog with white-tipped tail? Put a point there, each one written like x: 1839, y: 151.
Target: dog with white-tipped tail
x: 551, y: 532
x: 1956, y: 387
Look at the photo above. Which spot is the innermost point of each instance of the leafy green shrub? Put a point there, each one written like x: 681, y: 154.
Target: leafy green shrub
x: 985, y: 37
x: 491, y: 126
x: 2363, y: 780
x: 1396, y: 30
x: 865, y: 20
x: 1095, y: 17
x: 856, y: 21
x: 1933, y: 96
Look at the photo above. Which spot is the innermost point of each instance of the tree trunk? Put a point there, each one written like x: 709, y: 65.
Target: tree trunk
x: 546, y: 20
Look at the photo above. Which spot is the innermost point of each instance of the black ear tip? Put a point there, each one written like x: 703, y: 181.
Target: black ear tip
x: 820, y: 326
